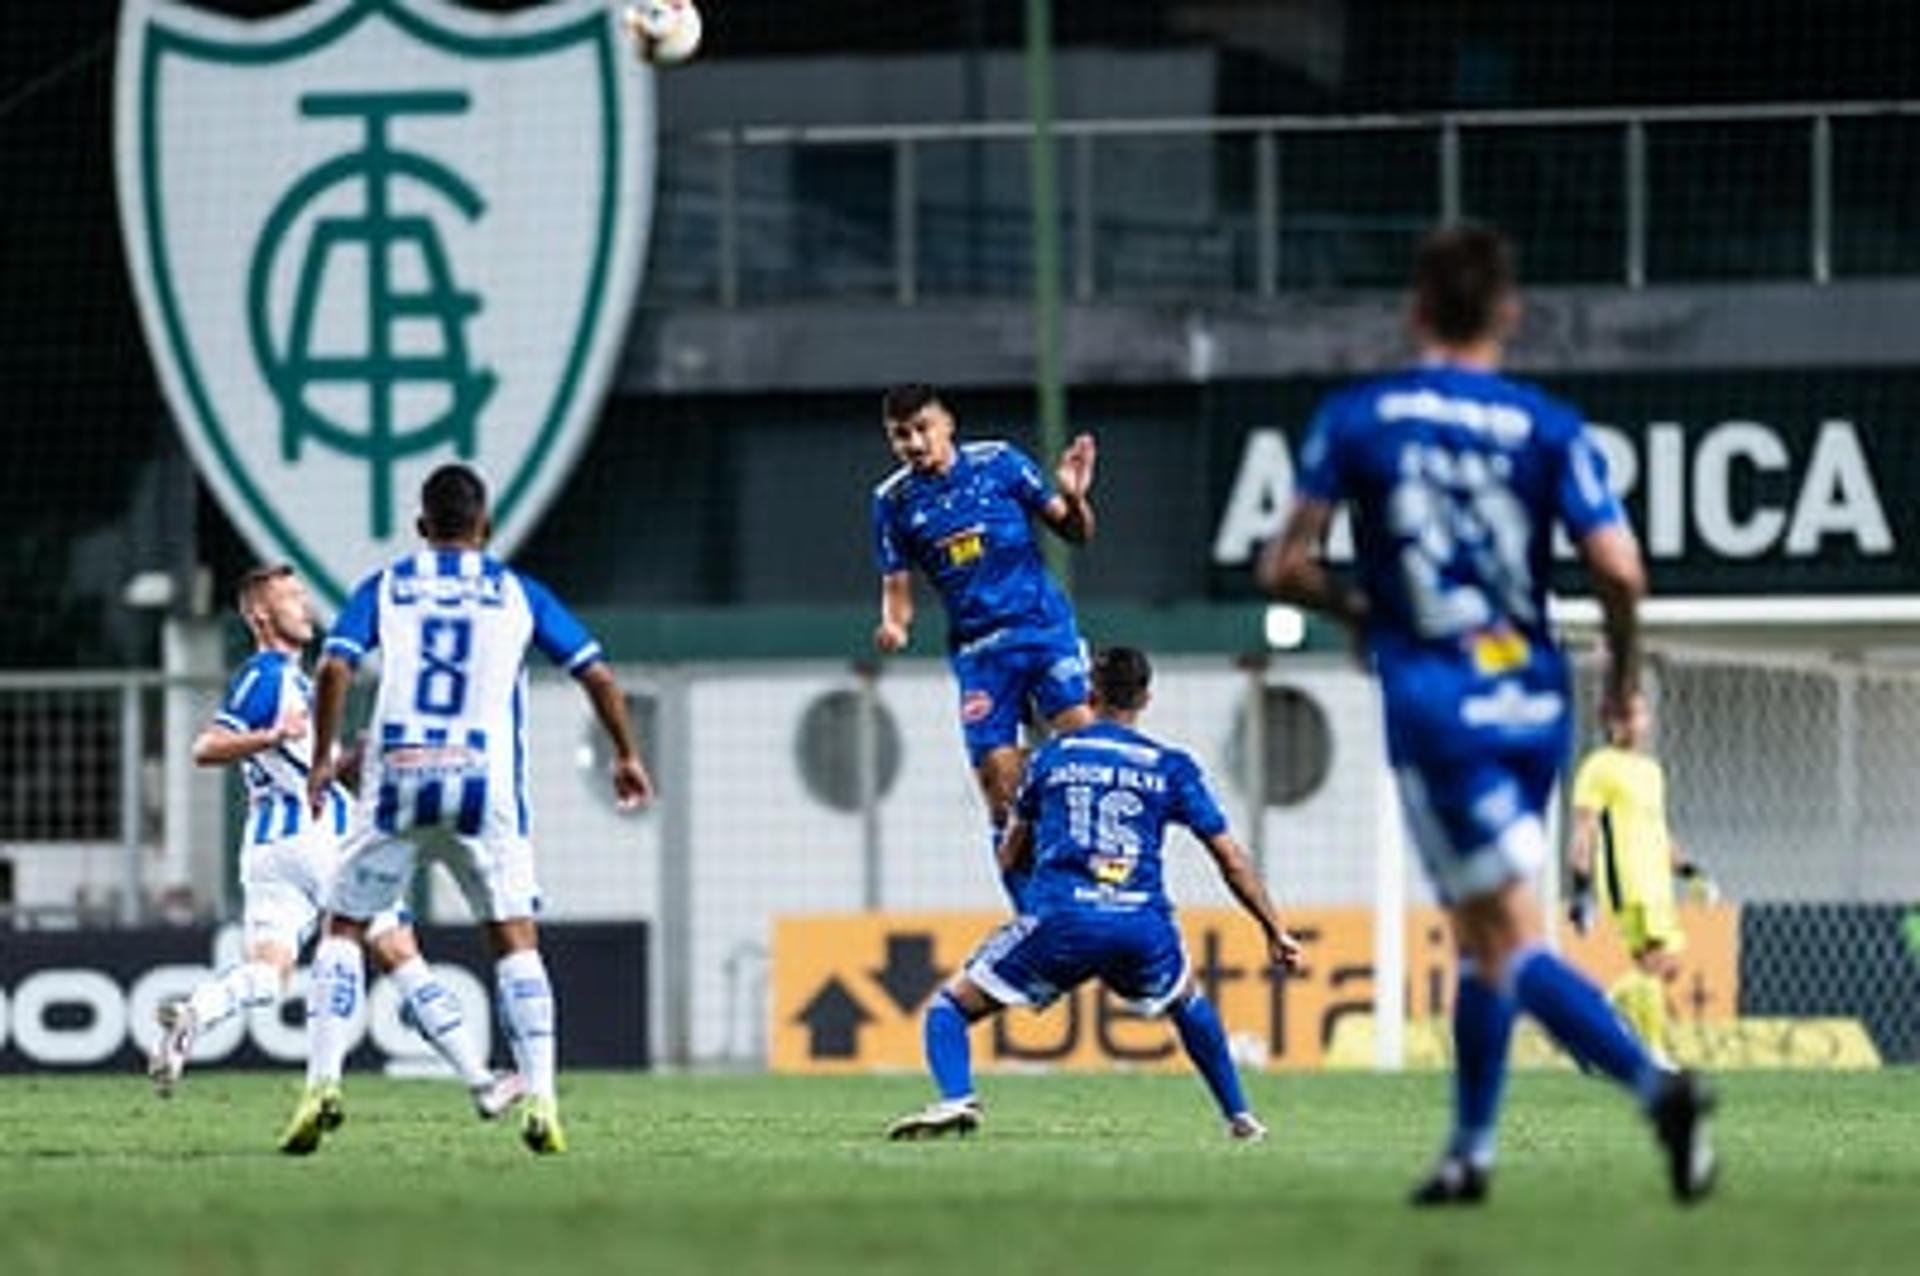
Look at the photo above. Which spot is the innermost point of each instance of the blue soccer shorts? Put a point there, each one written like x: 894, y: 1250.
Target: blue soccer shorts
x: 999, y: 679
x: 1475, y: 760
x: 1031, y: 961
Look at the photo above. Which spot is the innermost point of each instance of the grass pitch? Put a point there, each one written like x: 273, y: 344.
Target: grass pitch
x: 672, y: 1174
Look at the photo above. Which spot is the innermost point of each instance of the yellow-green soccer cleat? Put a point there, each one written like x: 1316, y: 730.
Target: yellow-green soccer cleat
x: 320, y: 1112
x: 540, y: 1127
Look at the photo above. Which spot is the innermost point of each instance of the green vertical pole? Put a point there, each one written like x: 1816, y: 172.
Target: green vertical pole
x: 1048, y: 377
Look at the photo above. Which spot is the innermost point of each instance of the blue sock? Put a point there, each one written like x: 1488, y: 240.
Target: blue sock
x: 1482, y: 1029
x: 1206, y: 1043
x: 944, y: 1033
x: 1568, y: 1006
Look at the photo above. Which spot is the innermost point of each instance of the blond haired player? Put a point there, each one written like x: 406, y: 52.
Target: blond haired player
x: 1620, y: 839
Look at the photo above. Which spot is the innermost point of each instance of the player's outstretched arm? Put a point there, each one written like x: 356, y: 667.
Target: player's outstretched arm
x: 896, y: 612
x: 1292, y: 567
x: 330, y: 683
x: 1619, y: 576
x: 1070, y: 511
x: 1237, y: 871
x: 632, y: 785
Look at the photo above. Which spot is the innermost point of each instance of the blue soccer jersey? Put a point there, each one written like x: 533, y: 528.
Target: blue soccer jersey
x: 1456, y: 478
x: 970, y: 530
x: 1099, y: 801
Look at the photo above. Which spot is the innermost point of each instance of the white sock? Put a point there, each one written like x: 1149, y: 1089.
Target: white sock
x: 336, y: 984
x: 527, y: 1014
x: 435, y: 1014
x: 242, y: 987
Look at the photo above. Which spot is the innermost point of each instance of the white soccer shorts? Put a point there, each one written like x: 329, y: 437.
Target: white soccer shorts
x: 494, y: 870
x: 284, y: 885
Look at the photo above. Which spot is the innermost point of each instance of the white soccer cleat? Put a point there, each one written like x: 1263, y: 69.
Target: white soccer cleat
x: 1245, y: 1127
x: 169, y: 1058
x: 497, y: 1097
x: 947, y: 1116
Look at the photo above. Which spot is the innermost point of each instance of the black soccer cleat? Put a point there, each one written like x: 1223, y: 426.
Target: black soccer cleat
x: 1679, y: 1115
x: 1454, y: 1181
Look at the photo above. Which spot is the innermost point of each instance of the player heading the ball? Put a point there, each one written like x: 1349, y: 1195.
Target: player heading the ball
x: 962, y: 513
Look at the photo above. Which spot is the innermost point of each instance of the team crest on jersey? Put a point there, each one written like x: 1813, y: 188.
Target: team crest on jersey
x: 369, y: 237
x: 975, y: 706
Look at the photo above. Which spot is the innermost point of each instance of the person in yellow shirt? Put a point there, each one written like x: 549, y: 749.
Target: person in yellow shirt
x: 1620, y: 839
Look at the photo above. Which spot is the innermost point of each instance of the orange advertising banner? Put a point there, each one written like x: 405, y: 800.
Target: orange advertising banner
x: 848, y: 988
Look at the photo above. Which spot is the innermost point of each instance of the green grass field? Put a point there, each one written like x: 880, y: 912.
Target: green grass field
x: 678, y: 1174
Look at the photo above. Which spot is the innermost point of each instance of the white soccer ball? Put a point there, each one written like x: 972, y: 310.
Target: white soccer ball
x: 663, y: 32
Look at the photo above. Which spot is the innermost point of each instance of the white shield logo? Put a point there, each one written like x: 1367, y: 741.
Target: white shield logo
x: 373, y: 236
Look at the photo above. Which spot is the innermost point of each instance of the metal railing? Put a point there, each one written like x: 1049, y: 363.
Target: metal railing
x: 713, y: 216
x: 74, y: 766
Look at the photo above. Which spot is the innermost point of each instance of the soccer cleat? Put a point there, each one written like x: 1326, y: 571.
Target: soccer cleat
x: 540, y: 1128
x: 321, y: 1111
x: 497, y: 1097
x: 178, y: 1024
x: 948, y: 1116
x: 1245, y: 1127
x: 1679, y: 1115
x: 1454, y: 1181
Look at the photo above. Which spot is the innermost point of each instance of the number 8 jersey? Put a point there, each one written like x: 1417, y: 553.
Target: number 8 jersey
x: 448, y: 729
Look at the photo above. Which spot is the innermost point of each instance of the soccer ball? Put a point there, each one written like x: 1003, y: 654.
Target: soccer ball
x: 663, y: 32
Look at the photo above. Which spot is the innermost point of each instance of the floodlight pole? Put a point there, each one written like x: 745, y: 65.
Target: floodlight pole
x: 1048, y: 379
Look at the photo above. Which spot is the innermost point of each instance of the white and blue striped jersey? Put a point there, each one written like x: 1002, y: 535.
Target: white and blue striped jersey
x: 449, y: 722
x: 266, y: 689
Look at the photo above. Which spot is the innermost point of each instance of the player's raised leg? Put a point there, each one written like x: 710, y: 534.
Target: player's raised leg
x: 258, y: 981
x: 436, y: 1014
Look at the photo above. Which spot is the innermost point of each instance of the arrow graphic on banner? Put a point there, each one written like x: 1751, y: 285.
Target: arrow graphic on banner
x: 910, y: 976
x: 833, y: 1020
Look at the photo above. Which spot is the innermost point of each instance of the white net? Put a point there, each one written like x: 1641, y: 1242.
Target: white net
x: 1792, y: 779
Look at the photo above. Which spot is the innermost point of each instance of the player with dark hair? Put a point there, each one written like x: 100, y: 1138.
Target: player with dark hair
x: 962, y: 514
x: 446, y: 776
x: 1088, y: 825
x: 289, y: 855
x: 1457, y: 476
